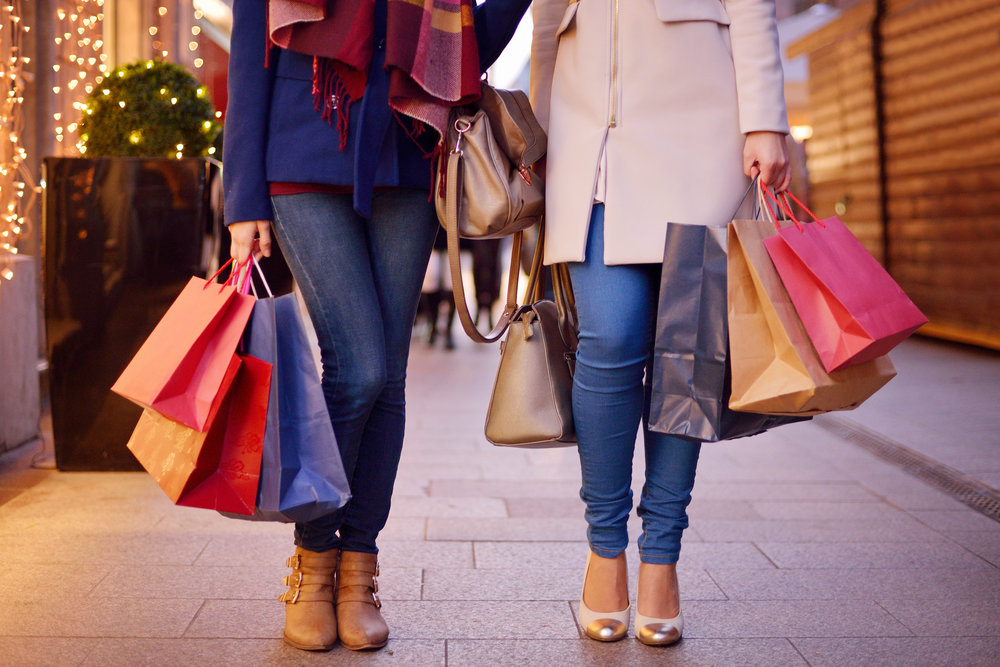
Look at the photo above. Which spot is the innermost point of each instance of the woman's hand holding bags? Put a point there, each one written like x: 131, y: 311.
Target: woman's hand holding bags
x: 267, y: 450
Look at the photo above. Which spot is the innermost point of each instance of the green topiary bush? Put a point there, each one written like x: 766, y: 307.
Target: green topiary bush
x: 149, y: 109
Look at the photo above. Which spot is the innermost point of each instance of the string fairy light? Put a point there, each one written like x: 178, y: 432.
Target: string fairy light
x: 17, y: 189
x: 79, y: 66
x: 198, y: 61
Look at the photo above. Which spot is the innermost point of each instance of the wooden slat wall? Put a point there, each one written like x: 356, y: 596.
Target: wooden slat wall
x: 940, y: 72
x: 842, y: 156
x: 941, y: 68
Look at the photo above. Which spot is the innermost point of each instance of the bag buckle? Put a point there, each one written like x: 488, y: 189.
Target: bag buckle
x: 462, y: 125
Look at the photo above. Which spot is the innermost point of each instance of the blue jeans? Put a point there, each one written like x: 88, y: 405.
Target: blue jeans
x: 360, y: 280
x: 617, y: 312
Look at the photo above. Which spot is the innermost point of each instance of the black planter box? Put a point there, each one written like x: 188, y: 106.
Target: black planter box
x: 121, y: 238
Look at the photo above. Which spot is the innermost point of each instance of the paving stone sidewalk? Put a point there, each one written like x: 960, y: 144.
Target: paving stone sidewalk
x: 803, y: 547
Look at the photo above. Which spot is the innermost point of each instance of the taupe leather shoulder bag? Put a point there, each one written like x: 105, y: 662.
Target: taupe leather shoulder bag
x: 487, y: 189
x: 531, y: 405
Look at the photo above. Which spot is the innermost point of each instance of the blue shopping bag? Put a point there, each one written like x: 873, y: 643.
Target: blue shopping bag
x: 302, y: 476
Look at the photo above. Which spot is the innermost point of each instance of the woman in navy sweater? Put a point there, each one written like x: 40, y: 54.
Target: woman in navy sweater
x: 325, y: 146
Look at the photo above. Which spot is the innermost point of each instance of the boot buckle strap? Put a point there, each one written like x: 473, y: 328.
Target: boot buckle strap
x: 287, y: 580
x: 294, y: 562
x: 376, y: 601
x: 291, y: 596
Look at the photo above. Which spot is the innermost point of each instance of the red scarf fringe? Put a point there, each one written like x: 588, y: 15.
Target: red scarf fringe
x: 330, y: 95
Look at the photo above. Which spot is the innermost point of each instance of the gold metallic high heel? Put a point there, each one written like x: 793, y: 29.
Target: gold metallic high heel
x: 604, y: 626
x: 653, y: 631
x: 658, y: 631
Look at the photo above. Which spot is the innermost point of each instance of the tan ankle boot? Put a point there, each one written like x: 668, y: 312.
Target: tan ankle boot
x: 359, y: 620
x: 310, y: 619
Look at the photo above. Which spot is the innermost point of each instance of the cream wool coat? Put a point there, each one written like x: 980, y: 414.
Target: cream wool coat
x: 659, y: 113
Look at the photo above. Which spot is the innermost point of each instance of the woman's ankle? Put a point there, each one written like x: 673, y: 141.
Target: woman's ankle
x: 605, y: 585
x: 657, y: 594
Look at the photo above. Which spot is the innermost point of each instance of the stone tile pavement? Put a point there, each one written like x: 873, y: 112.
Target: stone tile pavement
x: 803, y: 547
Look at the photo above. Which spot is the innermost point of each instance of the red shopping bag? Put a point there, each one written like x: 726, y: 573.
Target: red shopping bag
x: 218, y: 468
x: 851, y: 308
x: 179, y: 369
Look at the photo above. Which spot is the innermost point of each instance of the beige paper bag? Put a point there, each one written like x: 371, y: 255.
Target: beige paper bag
x: 775, y: 368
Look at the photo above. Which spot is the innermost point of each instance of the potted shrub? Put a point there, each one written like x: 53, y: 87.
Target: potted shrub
x: 149, y: 109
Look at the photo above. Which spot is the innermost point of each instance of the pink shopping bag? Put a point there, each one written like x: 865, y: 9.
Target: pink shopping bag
x: 179, y: 369
x: 851, y: 308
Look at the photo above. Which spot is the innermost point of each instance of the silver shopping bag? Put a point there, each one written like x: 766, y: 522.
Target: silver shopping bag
x: 691, y: 371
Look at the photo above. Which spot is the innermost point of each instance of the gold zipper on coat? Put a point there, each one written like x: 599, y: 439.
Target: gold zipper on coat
x: 613, y: 115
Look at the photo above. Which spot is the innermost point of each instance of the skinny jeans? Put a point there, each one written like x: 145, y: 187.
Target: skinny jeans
x: 360, y: 280
x: 616, y: 306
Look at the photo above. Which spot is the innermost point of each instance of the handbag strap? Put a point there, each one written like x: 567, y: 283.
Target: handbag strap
x: 453, y: 186
x: 562, y: 289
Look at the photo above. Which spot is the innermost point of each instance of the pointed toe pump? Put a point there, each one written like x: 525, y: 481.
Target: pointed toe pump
x: 603, y: 626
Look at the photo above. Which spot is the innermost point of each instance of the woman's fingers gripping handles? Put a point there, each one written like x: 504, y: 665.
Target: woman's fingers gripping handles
x: 765, y: 154
x: 250, y: 237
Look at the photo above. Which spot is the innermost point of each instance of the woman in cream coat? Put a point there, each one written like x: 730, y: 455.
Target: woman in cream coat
x: 657, y: 111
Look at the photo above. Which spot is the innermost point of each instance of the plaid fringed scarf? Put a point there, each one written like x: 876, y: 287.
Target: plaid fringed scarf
x: 431, y: 54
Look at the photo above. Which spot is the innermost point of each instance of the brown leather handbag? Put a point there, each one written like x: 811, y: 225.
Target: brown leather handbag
x: 531, y: 405
x: 486, y: 188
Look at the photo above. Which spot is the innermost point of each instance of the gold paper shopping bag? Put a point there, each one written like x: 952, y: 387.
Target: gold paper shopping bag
x: 775, y: 368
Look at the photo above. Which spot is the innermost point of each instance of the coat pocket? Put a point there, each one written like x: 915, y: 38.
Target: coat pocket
x: 568, y: 16
x: 293, y: 65
x: 672, y: 11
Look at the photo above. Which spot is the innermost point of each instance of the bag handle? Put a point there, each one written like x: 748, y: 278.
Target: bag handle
x: 766, y: 197
x: 454, y: 194
x: 562, y: 288
x: 565, y: 301
x: 535, y: 290
x: 263, y: 280
x: 783, y: 197
x: 781, y: 201
x: 237, y: 269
